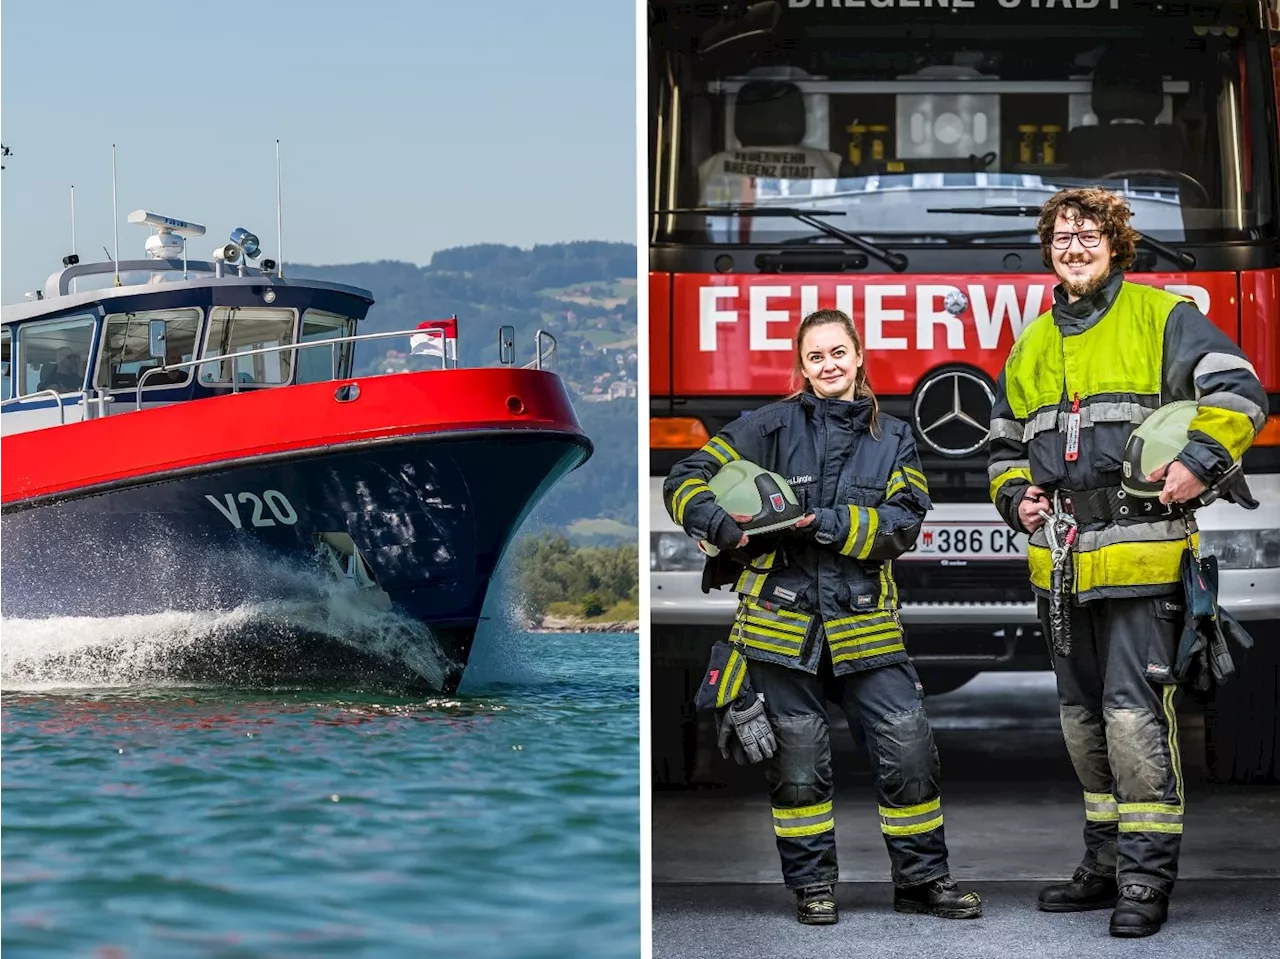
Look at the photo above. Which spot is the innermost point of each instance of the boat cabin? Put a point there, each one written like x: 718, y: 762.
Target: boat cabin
x: 82, y: 347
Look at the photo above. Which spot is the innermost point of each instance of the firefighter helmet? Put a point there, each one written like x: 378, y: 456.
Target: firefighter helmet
x: 1155, y: 443
x: 742, y: 488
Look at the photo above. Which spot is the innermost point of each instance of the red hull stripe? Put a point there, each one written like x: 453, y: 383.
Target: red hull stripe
x: 135, y: 445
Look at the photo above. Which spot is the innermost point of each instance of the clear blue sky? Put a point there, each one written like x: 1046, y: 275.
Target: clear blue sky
x: 405, y: 127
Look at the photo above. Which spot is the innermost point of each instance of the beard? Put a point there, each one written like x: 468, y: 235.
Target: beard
x: 1086, y: 287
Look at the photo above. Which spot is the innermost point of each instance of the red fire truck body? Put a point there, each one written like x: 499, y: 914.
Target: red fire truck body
x: 889, y: 162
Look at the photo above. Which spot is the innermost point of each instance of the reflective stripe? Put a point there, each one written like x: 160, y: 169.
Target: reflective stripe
x: 881, y: 648
x: 1175, y: 755
x: 862, y: 532
x: 863, y: 636
x: 911, y: 820
x: 1118, y: 564
x: 751, y: 582
x: 848, y: 626
x: 1150, y: 817
x: 735, y: 671
x: 885, y: 636
x: 690, y: 488
x: 803, y: 821
x: 896, y: 482
x: 1112, y: 411
x: 1237, y: 404
x: 799, y: 629
x: 1008, y: 476
x: 1157, y: 531
x: 1003, y: 466
x: 1106, y: 411
x: 888, y: 587
x: 1100, y: 807
x: 860, y: 619
x: 1233, y: 430
x: 917, y: 479
x: 1212, y: 363
x: 1005, y: 430
x: 720, y: 457
x: 1044, y: 420
x: 775, y: 636
x: 759, y: 618
x: 777, y: 631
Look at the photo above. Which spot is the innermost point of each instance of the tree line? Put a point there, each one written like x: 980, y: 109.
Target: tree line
x: 549, y: 569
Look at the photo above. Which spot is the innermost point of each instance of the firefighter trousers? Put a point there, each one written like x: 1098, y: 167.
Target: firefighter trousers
x: 1116, y: 698
x: 885, y: 709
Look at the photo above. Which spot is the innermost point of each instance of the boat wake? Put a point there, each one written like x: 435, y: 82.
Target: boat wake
x: 329, y: 632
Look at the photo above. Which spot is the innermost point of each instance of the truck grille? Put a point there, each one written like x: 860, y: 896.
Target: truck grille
x: 998, y: 581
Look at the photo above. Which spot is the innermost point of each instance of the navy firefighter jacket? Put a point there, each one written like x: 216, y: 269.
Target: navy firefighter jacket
x: 831, y: 581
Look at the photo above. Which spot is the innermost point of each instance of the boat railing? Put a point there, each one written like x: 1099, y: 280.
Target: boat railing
x: 543, y: 359
x: 62, y: 415
x: 87, y: 398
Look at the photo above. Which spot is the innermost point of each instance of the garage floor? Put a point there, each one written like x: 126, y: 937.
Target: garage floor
x: 1013, y: 813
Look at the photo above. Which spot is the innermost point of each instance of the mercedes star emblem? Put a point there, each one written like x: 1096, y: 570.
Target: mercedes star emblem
x: 953, y: 412
x: 955, y: 302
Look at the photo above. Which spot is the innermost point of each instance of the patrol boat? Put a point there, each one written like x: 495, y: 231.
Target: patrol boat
x: 189, y: 436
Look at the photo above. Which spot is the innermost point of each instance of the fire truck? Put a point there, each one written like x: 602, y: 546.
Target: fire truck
x: 889, y: 158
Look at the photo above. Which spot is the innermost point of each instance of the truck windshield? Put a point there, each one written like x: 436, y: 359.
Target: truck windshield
x: 898, y: 126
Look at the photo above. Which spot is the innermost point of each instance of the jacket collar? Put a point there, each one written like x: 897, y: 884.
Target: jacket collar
x: 1085, y: 312
x: 852, y: 414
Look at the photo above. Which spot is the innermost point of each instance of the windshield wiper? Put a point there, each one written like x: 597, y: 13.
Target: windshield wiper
x: 1181, y: 257
x: 988, y: 210
x: 895, y: 261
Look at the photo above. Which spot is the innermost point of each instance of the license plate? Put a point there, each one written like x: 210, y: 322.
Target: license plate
x: 965, y: 541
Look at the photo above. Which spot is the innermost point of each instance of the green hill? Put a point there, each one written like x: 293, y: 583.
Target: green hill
x: 584, y: 294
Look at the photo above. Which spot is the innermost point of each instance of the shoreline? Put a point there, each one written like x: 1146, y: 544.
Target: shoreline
x: 557, y: 624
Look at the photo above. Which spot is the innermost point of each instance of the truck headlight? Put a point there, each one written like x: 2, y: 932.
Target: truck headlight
x: 674, y: 552
x: 1242, y: 548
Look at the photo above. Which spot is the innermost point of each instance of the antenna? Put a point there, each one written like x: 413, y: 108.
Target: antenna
x: 72, y: 260
x: 115, y: 219
x: 279, y: 219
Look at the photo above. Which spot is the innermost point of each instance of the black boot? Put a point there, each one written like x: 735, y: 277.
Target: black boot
x: 816, y: 906
x: 1086, y: 890
x: 1141, y: 911
x: 939, y: 897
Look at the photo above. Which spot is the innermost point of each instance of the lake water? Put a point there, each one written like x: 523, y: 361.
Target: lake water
x: 154, y: 820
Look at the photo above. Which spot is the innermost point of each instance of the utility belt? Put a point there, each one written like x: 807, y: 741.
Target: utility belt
x: 1111, y: 504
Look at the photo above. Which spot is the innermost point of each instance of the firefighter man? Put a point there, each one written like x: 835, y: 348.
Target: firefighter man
x: 1077, y: 381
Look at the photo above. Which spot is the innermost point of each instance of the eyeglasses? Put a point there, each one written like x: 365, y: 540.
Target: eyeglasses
x: 1088, y: 239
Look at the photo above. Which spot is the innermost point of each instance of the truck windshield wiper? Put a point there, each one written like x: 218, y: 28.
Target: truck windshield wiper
x: 896, y: 261
x: 1181, y: 257
x: 987, y: 210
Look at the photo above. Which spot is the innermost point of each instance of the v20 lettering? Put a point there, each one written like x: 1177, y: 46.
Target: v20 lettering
x: 271, y: 500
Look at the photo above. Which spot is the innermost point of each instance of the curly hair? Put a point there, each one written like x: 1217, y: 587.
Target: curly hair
x: 1103, y: 207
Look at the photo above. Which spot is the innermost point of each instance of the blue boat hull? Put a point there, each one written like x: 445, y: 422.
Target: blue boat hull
x: 431, y: 517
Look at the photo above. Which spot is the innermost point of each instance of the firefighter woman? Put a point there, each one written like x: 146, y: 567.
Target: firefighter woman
x: 817, y: 614
x: 1078, y: 381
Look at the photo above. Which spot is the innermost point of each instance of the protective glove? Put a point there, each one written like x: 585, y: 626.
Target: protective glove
x: 728, y: 534
x: 1206, y: 658
x: 745, y: 733
x: 1228, y: 633
x: 1190, y: 664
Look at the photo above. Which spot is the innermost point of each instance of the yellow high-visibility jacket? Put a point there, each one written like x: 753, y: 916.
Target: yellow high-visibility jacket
x: 1116, y: 356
